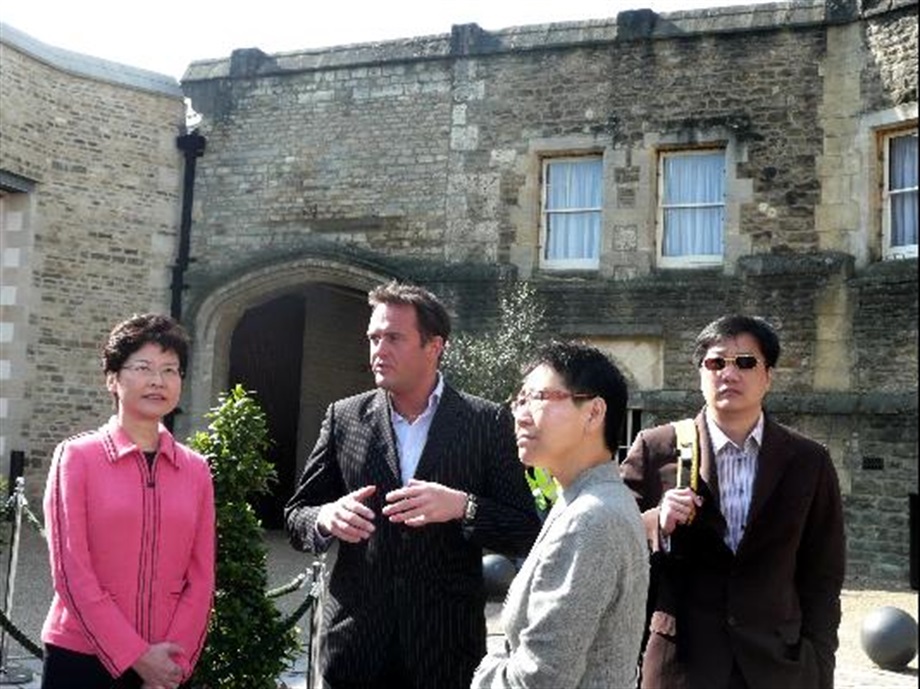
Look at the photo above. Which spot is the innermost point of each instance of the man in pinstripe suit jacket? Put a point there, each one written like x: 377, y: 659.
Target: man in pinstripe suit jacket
x: 413, y: 480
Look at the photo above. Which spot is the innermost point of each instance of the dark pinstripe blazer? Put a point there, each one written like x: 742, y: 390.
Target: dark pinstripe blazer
x: 418, y: 590
x: 772, y: 607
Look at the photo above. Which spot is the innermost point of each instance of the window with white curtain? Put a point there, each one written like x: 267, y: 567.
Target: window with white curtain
x: 899, y: 202
x: 691, y: 207
x: 573, y: 194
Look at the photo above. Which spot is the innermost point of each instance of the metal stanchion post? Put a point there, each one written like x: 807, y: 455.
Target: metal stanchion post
x: 317, y: 592
x: 10, y: 673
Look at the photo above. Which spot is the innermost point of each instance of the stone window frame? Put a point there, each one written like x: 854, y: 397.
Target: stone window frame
x: 870, y: 138
x: 884, y: 146
x: 738, y: 191
x: 525, y: 216
x: 582, y: 264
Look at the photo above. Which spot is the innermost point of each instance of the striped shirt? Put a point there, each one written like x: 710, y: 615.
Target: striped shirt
x: 736, y: 467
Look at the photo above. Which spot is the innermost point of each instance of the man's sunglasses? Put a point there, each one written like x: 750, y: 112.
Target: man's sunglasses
x: 744, y: 362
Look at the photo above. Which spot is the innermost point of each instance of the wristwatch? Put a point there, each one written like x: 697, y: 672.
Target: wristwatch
x: 469, y: 512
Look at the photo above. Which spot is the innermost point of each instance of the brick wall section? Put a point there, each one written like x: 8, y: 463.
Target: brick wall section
x: 104, y: 224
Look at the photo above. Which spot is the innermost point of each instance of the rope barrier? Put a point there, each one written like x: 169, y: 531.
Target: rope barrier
x: 36, y: 650
x: 20, y: 636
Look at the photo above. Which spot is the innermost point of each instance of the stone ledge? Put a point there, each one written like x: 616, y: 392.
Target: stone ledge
x: 466, y: 40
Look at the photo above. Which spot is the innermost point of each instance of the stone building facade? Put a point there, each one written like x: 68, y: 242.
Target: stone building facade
x: 454, y: 160
x: 90, y: 190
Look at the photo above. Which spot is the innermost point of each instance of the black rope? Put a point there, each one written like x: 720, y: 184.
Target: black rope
x: 37, y: 651
x: 21, y: 637
x: 5, y: 622
x: 299, y: 612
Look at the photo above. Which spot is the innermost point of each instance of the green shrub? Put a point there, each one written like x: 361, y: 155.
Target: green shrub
x: 488, y: 362
x: 249, y: 644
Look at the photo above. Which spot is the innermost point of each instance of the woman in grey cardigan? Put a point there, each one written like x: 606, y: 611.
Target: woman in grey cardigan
x: 575, y: 612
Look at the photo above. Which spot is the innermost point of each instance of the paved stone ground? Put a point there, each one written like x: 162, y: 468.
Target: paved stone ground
x: 854, y: 669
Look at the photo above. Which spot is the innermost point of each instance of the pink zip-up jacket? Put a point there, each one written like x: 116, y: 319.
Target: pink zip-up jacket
x: 132, y: 550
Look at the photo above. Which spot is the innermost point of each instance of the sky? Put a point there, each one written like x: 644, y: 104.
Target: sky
x: 165, y: 36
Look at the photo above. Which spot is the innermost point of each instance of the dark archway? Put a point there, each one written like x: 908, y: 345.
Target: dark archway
x: 298, y: 353
x: 266, y: 355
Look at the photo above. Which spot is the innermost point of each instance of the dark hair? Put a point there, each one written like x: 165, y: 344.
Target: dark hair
x: 732, y: 326
x: 433, y: 319
x: 130, y: 335
x: 586, y: 369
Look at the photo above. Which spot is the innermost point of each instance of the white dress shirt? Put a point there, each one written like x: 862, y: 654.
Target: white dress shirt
x: 411, y: 436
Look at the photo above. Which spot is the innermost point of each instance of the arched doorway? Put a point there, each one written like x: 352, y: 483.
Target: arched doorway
x: 297, y: 353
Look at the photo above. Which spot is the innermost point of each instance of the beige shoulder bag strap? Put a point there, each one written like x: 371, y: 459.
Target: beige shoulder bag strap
x: 688, y: 446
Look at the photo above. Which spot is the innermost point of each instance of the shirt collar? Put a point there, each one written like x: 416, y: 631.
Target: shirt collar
x: 433, y: 399
x: 120, y: 444
x: 720, y: 440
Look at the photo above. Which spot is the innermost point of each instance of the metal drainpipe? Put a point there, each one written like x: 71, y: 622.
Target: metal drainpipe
x: 192, y: 145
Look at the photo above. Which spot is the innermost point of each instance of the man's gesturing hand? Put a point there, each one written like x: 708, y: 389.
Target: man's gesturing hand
x: 348, y: 518
x: 424, y: 502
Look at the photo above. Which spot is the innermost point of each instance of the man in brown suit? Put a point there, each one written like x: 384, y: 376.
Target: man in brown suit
x: 412, y: 480
x: 747, y: 569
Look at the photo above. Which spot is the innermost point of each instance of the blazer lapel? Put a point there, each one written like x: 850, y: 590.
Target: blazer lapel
x: 379, y: 419
x: 709, y: 480
x: 448, y: 418
x: 771, y: 465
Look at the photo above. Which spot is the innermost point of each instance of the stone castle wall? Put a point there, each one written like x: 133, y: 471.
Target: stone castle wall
x: 326, y: 171
x: 91, y: 191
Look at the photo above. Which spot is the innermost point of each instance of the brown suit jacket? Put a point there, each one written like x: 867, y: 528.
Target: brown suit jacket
x: 773, y: 607
x: 408, y: 596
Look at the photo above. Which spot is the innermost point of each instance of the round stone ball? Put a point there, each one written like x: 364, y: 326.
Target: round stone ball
x: 889, y: 637
x: 497, y: 573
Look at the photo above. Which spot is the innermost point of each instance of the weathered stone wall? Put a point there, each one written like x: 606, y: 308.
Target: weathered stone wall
x: 422, y: 158
x: 92, y: 241
x: 889, y: 77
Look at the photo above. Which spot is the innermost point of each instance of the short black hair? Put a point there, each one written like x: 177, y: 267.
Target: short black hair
x: 433, y: 319
x: 132, y: 334
x: 732, y: 326
x: 585, y: 369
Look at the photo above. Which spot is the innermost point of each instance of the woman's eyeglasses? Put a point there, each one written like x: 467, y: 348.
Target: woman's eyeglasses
x: 524, y: 397
x: 743, y: 362
x: 145, y: 370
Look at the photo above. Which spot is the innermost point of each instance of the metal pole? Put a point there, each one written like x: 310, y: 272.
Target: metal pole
x: 11, y: 674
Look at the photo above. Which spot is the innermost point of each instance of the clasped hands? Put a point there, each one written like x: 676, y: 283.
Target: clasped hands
x: 416, y: 504
x: 157, y: 668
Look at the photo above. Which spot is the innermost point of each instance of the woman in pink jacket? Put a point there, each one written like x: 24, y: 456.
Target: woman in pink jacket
x: 130, y: 519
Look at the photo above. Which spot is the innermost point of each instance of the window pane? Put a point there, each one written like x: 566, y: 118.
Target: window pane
x: 692, y: 232
x: 693, y: 179
x: 904, y: 219
x: 693, y: 204
x: 573, y: 235
x: 903, y: 172
x: 572, y: 215
x: 902, y: 190
x: 574, y: 184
